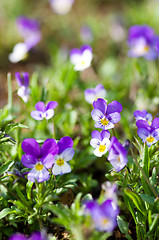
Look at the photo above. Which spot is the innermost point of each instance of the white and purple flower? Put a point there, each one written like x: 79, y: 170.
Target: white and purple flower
x: 117, y: 154
x: 103, y: 215
x: 100, y: 141
x: 61, y: 6
x: 148, y: 134
x: 143, y: 115
x: 81, y: 58
x: 44, y: 112
x: 39, y: 159
x: 142, y: 42
x: 29, y: 29
x: 92, y: 94
x: 106, y: 115
x: 64, y: 155
x: 23, y: 83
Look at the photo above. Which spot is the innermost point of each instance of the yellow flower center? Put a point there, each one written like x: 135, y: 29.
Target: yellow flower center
x: 104, y: 121
x: 39, y: 166
x: 105, y: 220
x: 43, y: 115
x: 150, y: 139
x: 102, y: 148
x: 82, y: 62
x: 118, y: 159
x: 60, y: 162
x: 146, y: 48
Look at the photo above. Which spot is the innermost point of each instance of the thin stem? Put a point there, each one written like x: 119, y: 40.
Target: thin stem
x: 10, y: 100
x: 113, y: 130
x: 53, y: 125
x: 144, y: 175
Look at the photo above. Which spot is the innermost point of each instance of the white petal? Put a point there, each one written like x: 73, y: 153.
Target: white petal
x: 66, y: 168
x: 67, y: 154
x: 95, y: 142
x: 56, y: 170
x: 90, y: 98
x: 19, y: 52
x: 98, y: 153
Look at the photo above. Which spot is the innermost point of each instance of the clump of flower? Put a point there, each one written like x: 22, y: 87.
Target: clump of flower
x: 100, y: 141
x: 143, y: 115
x: 117, y: 154
x: 142, y: 42
x: 81, y: 58
x: 44, y: 112
x: 29, y: 29
x: 105, y: 115
x: 39, y: 159
x: 148, y: 133
x: 103, y: 215
x: 92, y: 94
x: 61, y: 6
x: 23, y: 83
x: 33, y: 236
x: 65, y: 154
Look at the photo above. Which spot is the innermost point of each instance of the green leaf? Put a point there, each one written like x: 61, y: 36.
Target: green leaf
x: 146, y: 160
x: 137, y: 200
x: 147, y: 198
x: 21, y: 196
x: 5, y: 212
x: 124, y: 228
x: 5, y: 167
x: 12, y: 127
x: 28, y: 189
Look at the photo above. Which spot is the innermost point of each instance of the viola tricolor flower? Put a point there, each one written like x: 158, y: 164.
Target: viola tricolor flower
x: 39, y: 159
x: 33, y: 236
x: 148, y: 134
x: 92, y: 94
x: 100, y: 141
x: 64, y: 155
x: 23, y: 83
x: 104, y: 216
x: 44, y: 112
x: 106, y: 115
x: 61, y: 6
x: 30, y: 31
x: 110, y: 191
x: 143, y: 115
x: 142, y: 42
x: 81, y: 58
x: 117, y: 154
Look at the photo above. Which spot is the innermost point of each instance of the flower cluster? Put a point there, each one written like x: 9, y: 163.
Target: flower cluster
x: 143, y: 42
x: 33, y: 236
x: 23, y: 83
x: 92, y: 94
x: 41, y: 159
x: 148, y: 130
x: 104, y: 215
x: 29, y: 29
x: 44, y: 112
x: 106, y: 116
x: 81, y: 58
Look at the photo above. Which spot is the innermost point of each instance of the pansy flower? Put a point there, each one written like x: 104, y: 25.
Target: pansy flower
x: 103, y: 215
x: 143, y: 115
x: 61, y: 6
x: 100, y: 141
x: 92, y: 94
x: 81, y: 58
x: 39, y: 159
x: 33, y: 236
x: 23, y: 83
x: 110, y: 190
x: 142, y: 42
x: 117, y: 154
x: 44, y: 112
x: 148, y: 133
x: 29, y: 29
x: 64, y: 155
x: 106, y: 115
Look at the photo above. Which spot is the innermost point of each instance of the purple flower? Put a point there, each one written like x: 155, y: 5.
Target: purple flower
x: 23, y: 83
x: 110, y: 191
x: 100, y: 141
x: 39, y: 159
x: 143, y: 115
x: 43, y: 112
x: 148, y: 134
x: 61, y: 6
x: 104, y: 216
x: 117, y: 154
x: 106, y: 116
x: 33, y: 236
x: 81, y: 58
x: 29, y: 29
x: 64, y: 155
x: 92, y: 94
x: 142, y: 42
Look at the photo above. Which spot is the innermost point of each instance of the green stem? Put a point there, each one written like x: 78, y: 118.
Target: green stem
x: 53, y: 125
x: 113, y: 130
x: 10, y: 100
